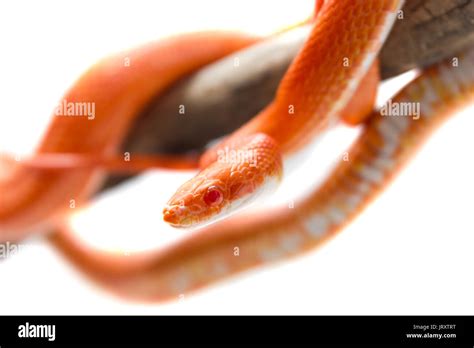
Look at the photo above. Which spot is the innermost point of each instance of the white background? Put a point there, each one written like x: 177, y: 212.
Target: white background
x: 409, y: 253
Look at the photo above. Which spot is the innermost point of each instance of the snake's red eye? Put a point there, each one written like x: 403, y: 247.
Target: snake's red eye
x: 213, y: 196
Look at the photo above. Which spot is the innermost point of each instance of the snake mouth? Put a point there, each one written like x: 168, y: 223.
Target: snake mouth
x: 179, y: 216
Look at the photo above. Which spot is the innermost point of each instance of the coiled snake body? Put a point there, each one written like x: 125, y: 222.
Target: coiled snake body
x: 333, y: 77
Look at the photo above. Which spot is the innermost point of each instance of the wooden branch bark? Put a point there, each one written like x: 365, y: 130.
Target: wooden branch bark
x: 432, y: 30
x: 224, y: 95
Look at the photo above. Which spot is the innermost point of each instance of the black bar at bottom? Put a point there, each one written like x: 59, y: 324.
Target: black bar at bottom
x: 141, y: 330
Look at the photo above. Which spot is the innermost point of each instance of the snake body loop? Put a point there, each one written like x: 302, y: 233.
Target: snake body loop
x: 34, y: 197
x: 322, y: 85
x: 385, y: 145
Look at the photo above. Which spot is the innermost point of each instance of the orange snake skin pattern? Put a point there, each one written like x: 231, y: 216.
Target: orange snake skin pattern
x: 333, y: 78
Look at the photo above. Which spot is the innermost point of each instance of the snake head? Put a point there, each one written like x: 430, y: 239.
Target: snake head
x: 237, y: 176
x: 196, y: 201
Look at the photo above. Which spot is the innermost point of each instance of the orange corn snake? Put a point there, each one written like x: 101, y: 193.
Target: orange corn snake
x: 319, y: 87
